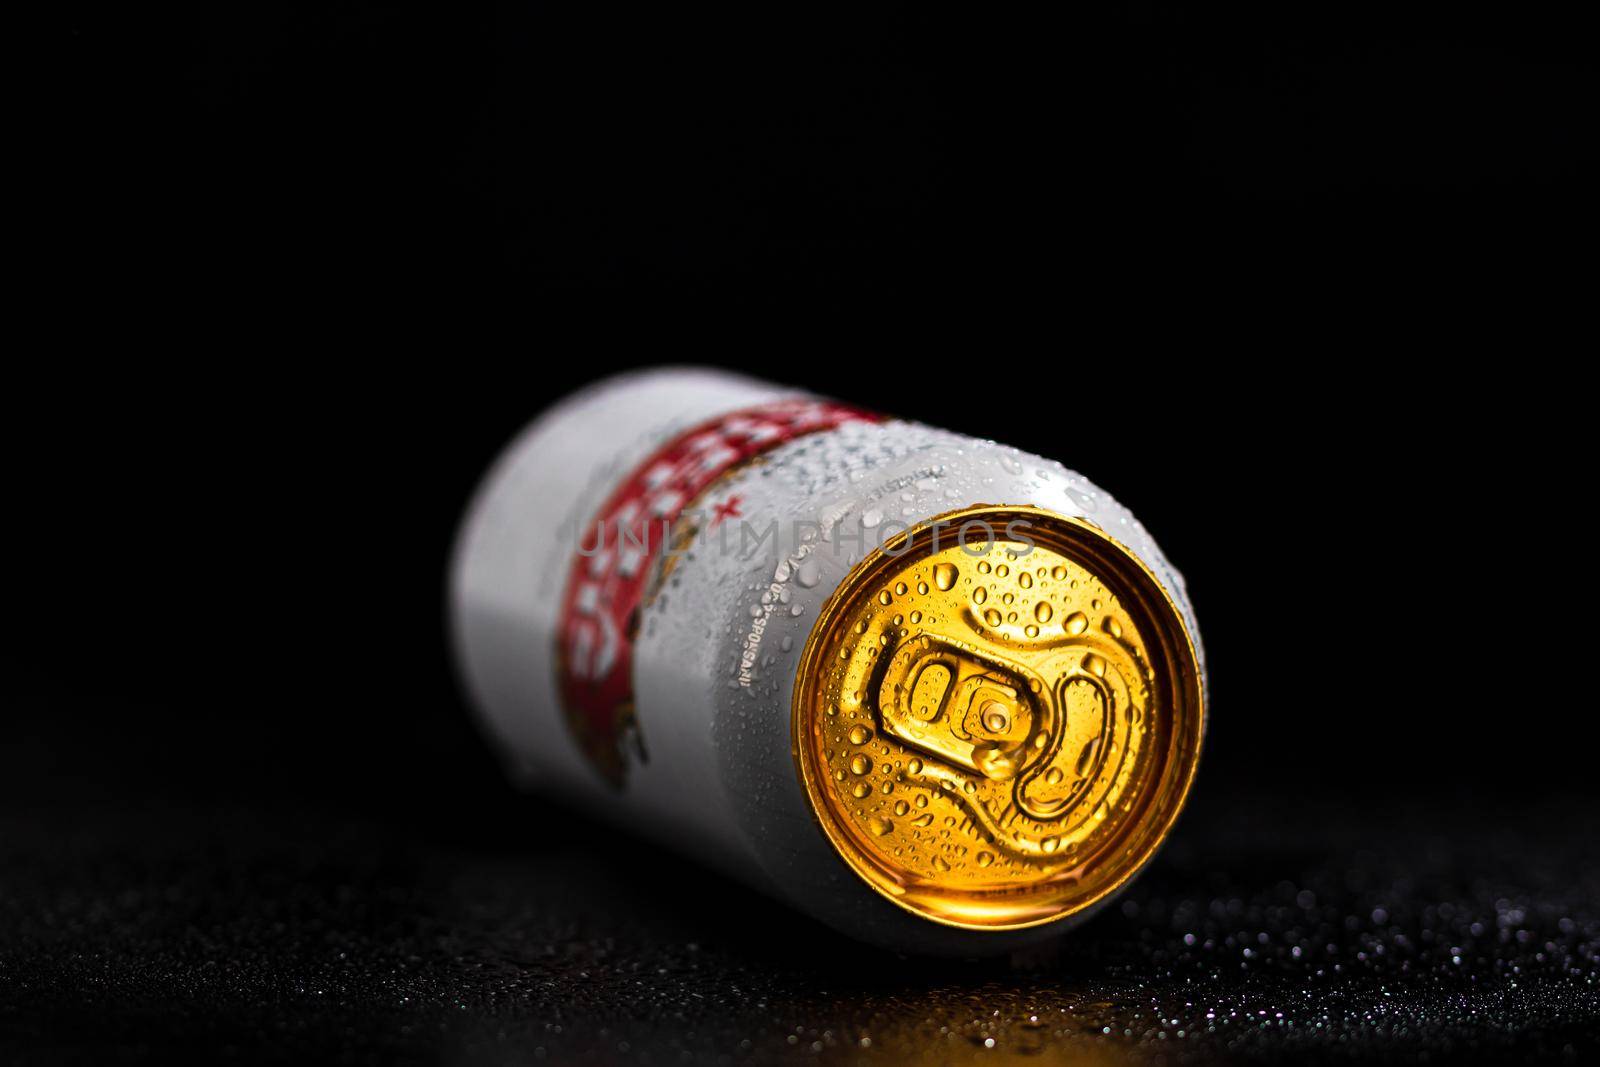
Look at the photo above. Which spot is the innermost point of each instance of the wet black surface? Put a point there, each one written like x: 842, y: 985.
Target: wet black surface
x: 1265, y: 930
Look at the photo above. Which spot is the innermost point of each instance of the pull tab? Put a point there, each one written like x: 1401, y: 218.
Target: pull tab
x: 958, y: 706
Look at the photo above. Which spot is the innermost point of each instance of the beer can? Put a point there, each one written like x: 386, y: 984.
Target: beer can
x: 944, y: 695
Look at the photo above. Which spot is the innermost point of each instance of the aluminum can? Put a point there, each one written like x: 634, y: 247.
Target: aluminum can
x: 944, y: 695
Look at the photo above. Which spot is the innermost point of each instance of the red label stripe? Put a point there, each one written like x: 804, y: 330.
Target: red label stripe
x: 624, y: 543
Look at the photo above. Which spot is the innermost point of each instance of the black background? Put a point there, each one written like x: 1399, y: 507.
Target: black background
x: 1305, y: 288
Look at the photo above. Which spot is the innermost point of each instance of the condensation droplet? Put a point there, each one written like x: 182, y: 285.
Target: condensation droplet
x: 1075, y: 623
x: 1086, y: 757
x: 860, y: 765
x: 1043, y: 611
x: 944, y: 576
x: 860, y: 735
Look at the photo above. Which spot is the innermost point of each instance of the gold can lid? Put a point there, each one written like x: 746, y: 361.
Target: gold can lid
x: 1000, y: 740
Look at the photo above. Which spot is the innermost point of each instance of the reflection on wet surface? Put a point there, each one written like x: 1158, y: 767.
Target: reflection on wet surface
x: 1260, y: 933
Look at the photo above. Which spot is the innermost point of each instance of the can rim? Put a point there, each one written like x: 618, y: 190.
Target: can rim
x: 1120, y: 859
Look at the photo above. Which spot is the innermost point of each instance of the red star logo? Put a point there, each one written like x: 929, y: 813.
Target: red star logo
x: 728, y: 509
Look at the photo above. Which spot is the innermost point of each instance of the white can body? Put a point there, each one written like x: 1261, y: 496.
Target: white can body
x: 718, y: 643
